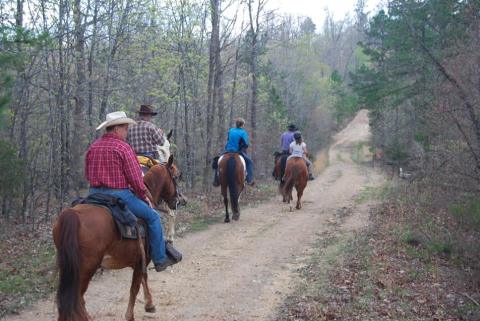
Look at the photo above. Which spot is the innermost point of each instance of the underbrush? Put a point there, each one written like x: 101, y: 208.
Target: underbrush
x: 413, y: 263
x: 27, y: 259
x: 27, y: 267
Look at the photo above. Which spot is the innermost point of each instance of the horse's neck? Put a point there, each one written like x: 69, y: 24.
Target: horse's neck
x: 165, y: 189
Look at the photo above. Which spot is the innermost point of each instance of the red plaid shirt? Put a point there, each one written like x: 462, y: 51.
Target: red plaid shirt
x: 111, y: 162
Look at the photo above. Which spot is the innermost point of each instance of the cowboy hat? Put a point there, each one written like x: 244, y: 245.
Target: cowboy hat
x: 147, y: 109
x: 116, y: 118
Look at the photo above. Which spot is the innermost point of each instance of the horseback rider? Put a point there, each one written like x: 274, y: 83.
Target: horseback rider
x: 286, y: 138
x: 237, y: 142
x: 144, y: 136
x: 298, y: 148
x: 111, y: 167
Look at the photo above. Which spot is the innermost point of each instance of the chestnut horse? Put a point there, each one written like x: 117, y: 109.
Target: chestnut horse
x: 86, y: 238
x: 296, y: 174
x: 231, y: 171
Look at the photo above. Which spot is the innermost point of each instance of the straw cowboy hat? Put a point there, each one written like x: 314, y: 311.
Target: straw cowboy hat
x: 147, y: 110
x: 116, y: 118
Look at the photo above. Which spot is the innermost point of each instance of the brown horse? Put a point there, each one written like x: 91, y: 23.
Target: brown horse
x: 86, y: 238
x: 296, y: 174
x: 279, y: 169
x: 231, y: 170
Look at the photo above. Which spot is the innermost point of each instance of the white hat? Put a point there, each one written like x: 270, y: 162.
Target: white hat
x: 116, y: 118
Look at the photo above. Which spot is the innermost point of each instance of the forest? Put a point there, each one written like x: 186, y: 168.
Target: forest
x: 413, y: 64
x: 66, y: 64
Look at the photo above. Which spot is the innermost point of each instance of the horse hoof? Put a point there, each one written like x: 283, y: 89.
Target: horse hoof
x: 291, y: 208
x: 150, y: 309
x: 236, y: 216
x: 226, y: 220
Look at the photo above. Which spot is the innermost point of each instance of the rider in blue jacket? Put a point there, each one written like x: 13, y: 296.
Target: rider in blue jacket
x: 237, y: 142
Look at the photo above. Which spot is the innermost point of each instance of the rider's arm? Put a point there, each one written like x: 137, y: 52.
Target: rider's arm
x: 157, y: 135
x: 245, y: 138
x: 305, y: 151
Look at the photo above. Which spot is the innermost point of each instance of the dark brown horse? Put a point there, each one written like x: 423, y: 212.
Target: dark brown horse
x: 279, y: 169
x: 86, y: 238
x: 296, y: 174
x: 231, y: 171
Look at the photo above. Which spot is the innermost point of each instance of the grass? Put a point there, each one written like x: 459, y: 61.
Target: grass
x: 389, y: 272
x: 368, y: 193
x: 362, y: 152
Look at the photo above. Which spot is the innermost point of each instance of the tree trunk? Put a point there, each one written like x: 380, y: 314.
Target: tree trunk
x: 214, y: 7
x: 79, y: 128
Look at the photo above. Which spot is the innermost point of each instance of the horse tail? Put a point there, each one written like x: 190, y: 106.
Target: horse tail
x: 290, y: 180
x: 68, y: 262
x: 232, y: 186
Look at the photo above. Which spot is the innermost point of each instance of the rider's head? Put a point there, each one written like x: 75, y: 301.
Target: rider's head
x: 239, y: 122
x: 297, y: 136
x: 292, y: 127
x: 146, y: 112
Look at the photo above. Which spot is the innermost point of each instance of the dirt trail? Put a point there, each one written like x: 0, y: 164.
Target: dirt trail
x: 242, y: 270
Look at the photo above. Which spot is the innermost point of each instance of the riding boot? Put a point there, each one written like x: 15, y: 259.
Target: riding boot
x: 216, y: 180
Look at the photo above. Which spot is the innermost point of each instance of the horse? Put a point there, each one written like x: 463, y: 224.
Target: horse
x: 86, y: 238
x: 280, y: 161
x: 296, y: 174
x: 231, y: 170
x: 164, y: 150
x: 169, y: 215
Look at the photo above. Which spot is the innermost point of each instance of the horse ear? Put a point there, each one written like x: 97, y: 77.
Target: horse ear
x: 170, y: 133
x: 170, y: 161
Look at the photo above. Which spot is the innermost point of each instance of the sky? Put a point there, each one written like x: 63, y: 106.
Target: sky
x: 316, y: 9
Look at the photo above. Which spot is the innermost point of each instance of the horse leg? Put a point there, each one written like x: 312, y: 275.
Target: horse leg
x: 227, y: 216
x: 170, y: 217
x: 136, y: 281
x: 225, y: 202
x: 149, y: 307
x: 300, y: 190
x: 299, y: 198
x: 88, y: 270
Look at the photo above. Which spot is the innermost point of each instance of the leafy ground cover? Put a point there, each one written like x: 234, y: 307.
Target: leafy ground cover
x: 384, y: 273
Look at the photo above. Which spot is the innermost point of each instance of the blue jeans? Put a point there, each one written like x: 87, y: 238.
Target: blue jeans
x: 141, y: 210
x: 249, y: 165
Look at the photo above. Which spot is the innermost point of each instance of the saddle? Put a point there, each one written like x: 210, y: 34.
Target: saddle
x: 128, y: 224
x: 217, y: 159
x: 124, y: 219
x: 146, y: 162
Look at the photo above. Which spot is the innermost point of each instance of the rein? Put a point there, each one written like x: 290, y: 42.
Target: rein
x: 177, y: 190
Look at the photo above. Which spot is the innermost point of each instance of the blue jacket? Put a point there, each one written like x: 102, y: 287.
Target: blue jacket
x: 237, y: 140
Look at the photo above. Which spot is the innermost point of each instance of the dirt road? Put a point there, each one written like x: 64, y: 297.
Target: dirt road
x: 242, y: 270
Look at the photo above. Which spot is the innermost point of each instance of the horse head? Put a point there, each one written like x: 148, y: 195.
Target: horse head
x: 161, y: 181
